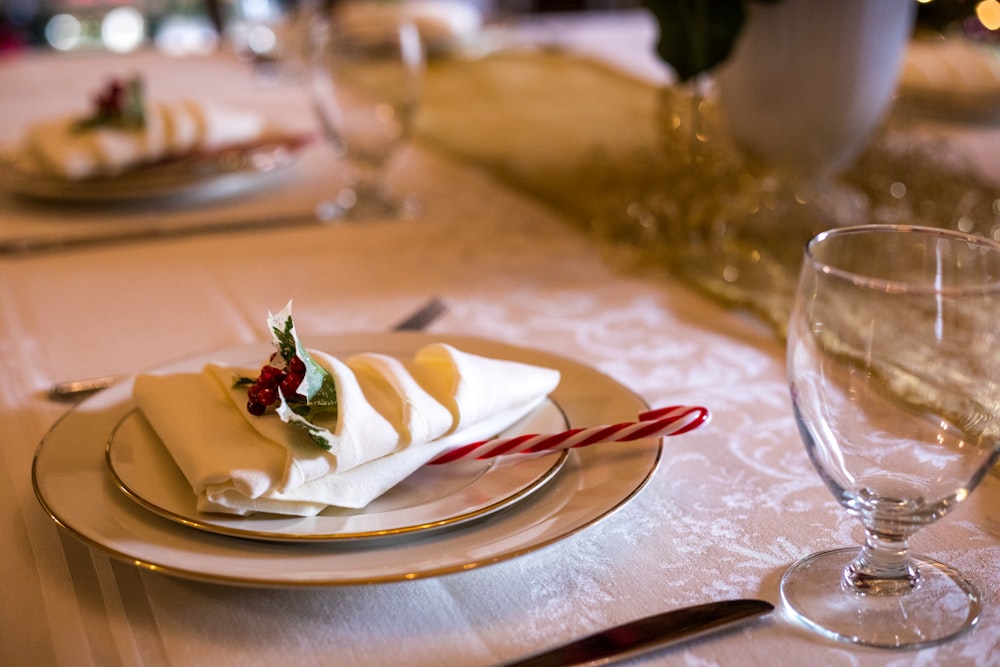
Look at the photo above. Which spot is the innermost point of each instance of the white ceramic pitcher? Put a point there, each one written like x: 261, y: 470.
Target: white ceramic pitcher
x: 809, y: 81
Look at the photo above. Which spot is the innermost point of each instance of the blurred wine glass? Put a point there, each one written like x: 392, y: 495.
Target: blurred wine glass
x: 272, y: 35
x: 366, y: 70
x: 895, y: 384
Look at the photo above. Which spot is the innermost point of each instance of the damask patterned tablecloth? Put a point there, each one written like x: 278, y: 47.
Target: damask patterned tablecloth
x: 730, y: 507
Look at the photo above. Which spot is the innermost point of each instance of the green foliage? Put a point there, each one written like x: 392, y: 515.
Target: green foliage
x: 120, y: 105
x: 318, y: 386
x: 697, y: 35
x: 284, y: 339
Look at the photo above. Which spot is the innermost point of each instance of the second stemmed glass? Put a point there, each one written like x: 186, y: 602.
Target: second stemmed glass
x: 894, y: 368
x: 367, y: 68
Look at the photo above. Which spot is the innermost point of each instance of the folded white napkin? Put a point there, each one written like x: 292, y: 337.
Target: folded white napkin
x: 392, y: 418
x: 174, y: 129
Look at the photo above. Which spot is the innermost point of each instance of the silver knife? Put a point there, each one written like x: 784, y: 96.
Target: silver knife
x: 31, y: 245
x: 646, y: 634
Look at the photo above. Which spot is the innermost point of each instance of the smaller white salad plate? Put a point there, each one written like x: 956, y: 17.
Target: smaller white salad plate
x: 433, y: 497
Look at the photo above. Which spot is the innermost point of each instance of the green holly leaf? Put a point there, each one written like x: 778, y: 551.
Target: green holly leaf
x: 283, y: 331
x: 119, y: 105
x: 291, y: 414
x: 317, y: 385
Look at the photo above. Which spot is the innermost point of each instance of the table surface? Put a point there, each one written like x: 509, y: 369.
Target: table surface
x: 730, y: 507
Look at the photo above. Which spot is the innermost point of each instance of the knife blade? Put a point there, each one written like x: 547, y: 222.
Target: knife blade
x: 24, y: 246
x: 646, y: 634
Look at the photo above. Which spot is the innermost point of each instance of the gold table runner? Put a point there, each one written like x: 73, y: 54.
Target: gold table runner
x: 538, y: 119
x: 615, y: 156
x: 611, y: 153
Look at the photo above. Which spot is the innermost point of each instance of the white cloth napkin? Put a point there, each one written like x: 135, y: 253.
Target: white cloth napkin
x: 172, y: 129
x: 393, y: 417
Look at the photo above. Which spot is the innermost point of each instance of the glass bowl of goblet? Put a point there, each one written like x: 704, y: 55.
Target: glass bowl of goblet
x: 894, y: 371
x: 367, y: 68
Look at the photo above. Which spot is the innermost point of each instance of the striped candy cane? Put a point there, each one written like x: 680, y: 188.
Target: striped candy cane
x: 674, y: 420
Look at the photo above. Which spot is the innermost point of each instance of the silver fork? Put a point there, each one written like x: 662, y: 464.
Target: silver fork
x: 72, y: 390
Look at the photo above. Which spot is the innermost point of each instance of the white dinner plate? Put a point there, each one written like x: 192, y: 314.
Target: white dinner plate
x: 433, y: 497
x: 72, y: 484
x: 222, y: 175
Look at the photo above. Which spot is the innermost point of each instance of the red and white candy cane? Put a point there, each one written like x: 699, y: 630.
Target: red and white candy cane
x: 674, y: 420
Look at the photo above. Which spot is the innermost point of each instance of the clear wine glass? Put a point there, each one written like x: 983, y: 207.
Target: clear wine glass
x: 366, y: 74
x: 271, y: 35
x: 894, y: 368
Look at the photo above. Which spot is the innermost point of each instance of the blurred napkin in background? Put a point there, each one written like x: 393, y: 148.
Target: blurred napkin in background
x: 174, y: 130
x: 170, y: 130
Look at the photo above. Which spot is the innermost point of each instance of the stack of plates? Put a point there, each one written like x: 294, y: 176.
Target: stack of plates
x: 102, y: 473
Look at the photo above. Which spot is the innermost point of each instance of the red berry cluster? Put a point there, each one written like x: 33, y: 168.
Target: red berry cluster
x: 264, y: 392
x: 110, y: 102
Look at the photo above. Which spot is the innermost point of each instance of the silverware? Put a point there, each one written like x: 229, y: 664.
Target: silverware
x: 646, y: 634
x: 422, y: 317
x: 72, y: 390
x: 34, y: 245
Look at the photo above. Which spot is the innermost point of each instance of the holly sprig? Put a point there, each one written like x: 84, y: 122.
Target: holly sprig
x: 120, y: 104
x: 317, y: 384
x: 301, y: 391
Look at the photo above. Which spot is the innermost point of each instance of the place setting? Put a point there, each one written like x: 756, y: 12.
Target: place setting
x: 715, y: 381
x: 447, y: 465
x: 132, y: 146
x: 133, y: 161
x: 138, y: 162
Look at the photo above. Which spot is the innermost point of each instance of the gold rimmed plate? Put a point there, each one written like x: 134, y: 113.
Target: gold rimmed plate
x: 434, y: 497
x: 71, y: 482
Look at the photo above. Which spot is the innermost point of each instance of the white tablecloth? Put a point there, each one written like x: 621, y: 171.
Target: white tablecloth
x: 731, y: 506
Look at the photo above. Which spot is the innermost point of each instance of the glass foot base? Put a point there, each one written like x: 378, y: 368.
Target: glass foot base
x: 941, y: 607
x: 348, y: 206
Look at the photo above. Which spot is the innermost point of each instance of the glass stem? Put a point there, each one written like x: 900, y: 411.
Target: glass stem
x: 883, y: 567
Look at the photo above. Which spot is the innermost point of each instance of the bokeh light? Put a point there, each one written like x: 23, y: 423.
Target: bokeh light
x: 123, y: 29
x: 186, y: 35
x: 988, y: 13
x: 63, y: 32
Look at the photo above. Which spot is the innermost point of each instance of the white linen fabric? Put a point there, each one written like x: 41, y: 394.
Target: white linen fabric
x: 392, y: 418
x: 730, y: 507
